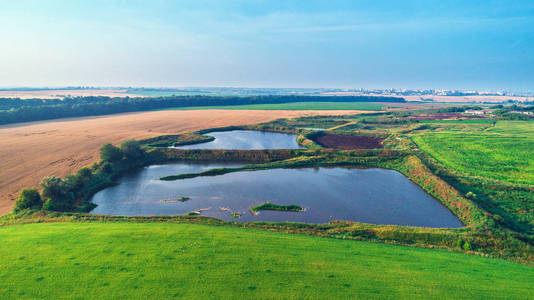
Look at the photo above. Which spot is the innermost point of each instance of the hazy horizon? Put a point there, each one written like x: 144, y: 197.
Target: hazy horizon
x: 264, y: 44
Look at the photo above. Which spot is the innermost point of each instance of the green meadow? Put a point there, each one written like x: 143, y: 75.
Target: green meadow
x: 162, y: 261
x: 503, y: 152
x: 295, y: 106
x: 464, y: 121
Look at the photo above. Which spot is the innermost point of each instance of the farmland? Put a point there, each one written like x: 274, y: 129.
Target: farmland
x: 128, y: 260
x: 65, y: 146
x: 494, y: 163
x: 365, y: 106
x: 502, y: 153
x: 348, y: 142
x: 196, y: 256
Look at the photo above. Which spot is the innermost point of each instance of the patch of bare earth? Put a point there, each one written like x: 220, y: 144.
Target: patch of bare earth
x: 347, y: 142
x: 31, y: 151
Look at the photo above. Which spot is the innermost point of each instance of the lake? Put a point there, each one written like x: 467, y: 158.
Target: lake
x: 376, y: 196
x: 247, y: 140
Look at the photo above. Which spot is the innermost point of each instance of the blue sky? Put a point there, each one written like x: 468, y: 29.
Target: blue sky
x: 347, y: 44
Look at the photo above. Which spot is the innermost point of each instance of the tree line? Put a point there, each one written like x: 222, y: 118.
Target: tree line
x: 73, y: 192
x: 14, y: 110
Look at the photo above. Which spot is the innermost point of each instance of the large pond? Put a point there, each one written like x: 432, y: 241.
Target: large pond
x: 247, y: 140
x: 376, y: 196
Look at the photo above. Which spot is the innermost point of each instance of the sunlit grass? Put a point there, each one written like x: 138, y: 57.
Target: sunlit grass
x: 161, y: 261
x: 504, y: 152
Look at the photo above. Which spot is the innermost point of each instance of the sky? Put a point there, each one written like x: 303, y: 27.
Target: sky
x: 484, y: 45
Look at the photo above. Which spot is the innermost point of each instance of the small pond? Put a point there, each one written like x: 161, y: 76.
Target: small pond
x: 376, y: 196
x: 247, y: 140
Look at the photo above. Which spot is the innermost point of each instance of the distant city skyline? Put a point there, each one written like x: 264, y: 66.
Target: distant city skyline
x: 454, y: 45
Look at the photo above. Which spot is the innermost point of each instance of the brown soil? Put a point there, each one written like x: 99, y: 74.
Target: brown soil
x: 31, y: 151
x: 346, y: 142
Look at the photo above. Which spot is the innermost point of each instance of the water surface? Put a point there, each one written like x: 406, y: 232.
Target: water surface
x: 247, y: 140
x: 376, y: 196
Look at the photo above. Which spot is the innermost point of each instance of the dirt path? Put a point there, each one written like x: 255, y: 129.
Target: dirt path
x: 31, y: 151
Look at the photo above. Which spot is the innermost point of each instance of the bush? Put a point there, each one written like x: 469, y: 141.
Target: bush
x: 132, y: 150
x: 467, y: 246
x: 107, y: 168
x: 58, y: 192
x: 471, y: 195
x: 85, y: 173
x: 110, y: 153
x: 28, y: 198
x: 48, y: 205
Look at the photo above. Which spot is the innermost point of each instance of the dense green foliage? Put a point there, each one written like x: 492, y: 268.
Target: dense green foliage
x: 14, y: 110
x: 271, y: 206
x: 162, y: 261
x: 73, y: 192
x: 110, y: 153
x: 298, y: 106
x: 28, y: 198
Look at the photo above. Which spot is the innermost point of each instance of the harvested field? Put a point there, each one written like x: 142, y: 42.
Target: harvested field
x: 347, y: 142
x: 31, y: 151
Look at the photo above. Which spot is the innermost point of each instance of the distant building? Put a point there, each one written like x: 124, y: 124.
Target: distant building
x: 475, y: 112
x: 528, y: 113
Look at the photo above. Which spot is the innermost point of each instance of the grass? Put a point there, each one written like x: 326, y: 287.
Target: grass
x: 465, y: 121
x: 271, y: 206
x: 295, y: 106
x: 503, y: 152
x: 162, y: 261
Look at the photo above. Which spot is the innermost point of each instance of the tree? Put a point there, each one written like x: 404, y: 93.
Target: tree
x: 57, y: 192
x: 131, y: 150
x: 53, y: 187
x: 110, y: 153
x: 28, y: 198
x: 85, y: 173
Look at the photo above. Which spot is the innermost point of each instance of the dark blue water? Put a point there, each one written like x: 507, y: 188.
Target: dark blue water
x: 247, y: 140
x: 376, y: 196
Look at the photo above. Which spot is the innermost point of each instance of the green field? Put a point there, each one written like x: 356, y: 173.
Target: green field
x: 295, y: 106
x: 162, y: 261
x: 465, y: 121
x: 504, y: 152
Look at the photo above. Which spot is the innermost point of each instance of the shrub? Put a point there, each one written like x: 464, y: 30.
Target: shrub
x: 110, y: 153
x: 48, y: 205
x: 131, y: 150
x: 28, y: 198
x: 85, y: 173
x: 471, y: 195
x: 59, y: 192
x: 107, y: 168
x: 467, y: 246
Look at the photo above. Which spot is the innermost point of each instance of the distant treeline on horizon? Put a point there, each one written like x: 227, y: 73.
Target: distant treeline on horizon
x: 15, y: 110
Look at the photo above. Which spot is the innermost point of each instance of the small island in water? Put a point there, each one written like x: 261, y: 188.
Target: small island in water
x: 271, y: 206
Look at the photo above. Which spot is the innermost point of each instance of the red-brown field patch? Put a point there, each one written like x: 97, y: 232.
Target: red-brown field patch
x: 348, y: 142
